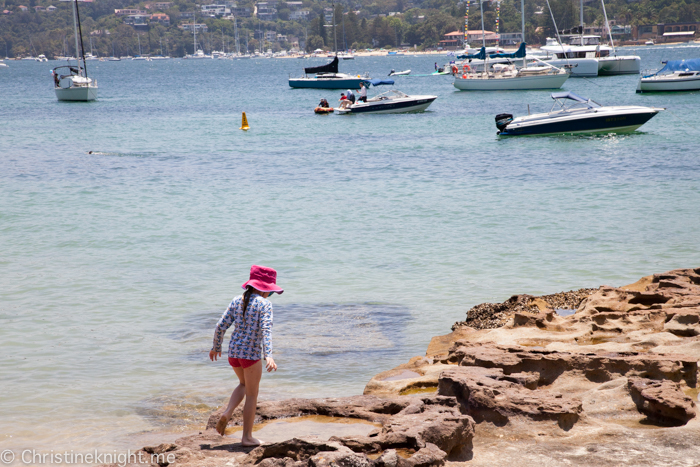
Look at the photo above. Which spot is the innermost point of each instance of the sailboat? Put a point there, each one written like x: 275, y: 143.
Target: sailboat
x: 139, y: 56
x: 161, y: 57
x: 507, y: 77
x: 113, y: 58
x: 198, y: 53
x: 71, y: 83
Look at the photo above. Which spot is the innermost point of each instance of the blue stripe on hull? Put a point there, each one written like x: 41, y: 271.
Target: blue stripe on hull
x: 326, y: 83
x: 395, y: 106
x: 588, y: 125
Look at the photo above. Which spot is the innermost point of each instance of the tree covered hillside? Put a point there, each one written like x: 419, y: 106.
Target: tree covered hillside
x: 359, y: 24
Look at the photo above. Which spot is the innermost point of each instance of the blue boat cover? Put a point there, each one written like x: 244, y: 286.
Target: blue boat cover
x: 520, y: 53
x: 680, y: 65
x: 568, y: 95
x: 480, y: 56
x: 378, y: 82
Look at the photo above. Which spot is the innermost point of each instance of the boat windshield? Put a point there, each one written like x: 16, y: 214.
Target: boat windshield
x: 567, y: 100
x: 393, y: 94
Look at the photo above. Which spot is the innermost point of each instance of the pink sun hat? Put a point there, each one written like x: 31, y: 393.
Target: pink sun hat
x: 263, y: 279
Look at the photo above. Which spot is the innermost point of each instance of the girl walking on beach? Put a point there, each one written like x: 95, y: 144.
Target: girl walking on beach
x: 251, y: 315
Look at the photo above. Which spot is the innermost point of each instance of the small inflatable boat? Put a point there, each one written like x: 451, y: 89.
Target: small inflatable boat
x: 323, y: 110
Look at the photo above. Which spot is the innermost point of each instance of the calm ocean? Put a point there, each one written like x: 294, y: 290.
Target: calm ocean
x: 385, y: 230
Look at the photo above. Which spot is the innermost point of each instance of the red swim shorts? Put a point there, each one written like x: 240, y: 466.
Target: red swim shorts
x: 241, y: 362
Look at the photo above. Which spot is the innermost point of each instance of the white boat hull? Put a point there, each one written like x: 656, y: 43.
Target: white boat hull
x: 554, y: 81
x: 579, y: 66
x: 77, y: 93
x: 620, y: 65
x: 390, y: 106
x: 668, y: 84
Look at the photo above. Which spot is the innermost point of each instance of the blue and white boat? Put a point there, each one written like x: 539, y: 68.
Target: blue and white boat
x: 390, y: 102
x: 677, y: 75
x: 327, y: 77
x: 576, y: 114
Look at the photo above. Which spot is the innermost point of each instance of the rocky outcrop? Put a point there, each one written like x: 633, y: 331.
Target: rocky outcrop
x: 661, y: 401
x: 487, y: 394
x: 516, y: 383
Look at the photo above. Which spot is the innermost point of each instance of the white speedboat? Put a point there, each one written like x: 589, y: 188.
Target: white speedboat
x: 71, y: 83
x: 573, y: 114
x: 676, y: 75
x: 390, y: 102
x: 400, y: 73
x: 42, y: 58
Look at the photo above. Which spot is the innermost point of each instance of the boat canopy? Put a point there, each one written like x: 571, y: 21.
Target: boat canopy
x: 680, y: 65
x: 480, y: 56
x: 331, y: 67
x: 378, y: 82
x: 520, y: 53
x: 569, y: 95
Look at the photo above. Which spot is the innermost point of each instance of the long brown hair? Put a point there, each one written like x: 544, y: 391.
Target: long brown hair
x: 246, y: 299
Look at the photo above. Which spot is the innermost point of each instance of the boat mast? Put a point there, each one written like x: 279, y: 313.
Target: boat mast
x: 483, y: 34
x: 194, y: 28
x: 335, y: 36
x: 607, y: 25
x: 75, y: 30
x: 522, y: 22
x: 79, y: 32
x: 581, y: 22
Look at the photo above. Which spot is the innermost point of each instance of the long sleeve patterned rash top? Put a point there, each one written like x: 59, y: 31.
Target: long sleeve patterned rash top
x: 247, y: 337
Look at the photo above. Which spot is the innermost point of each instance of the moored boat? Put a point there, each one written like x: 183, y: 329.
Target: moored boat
x: 576, y: 114
x: 327, y: 77
x: 393, y: 101
x: 71, y: 83
x: 676, y: 75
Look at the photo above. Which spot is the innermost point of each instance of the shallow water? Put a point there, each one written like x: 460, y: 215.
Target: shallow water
x: 385, y: 229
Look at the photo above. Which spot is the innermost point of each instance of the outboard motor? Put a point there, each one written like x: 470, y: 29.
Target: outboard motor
x: 502, y: 121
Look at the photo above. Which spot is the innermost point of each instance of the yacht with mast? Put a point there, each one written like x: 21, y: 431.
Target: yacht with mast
x: 507, y: 77
x: 71, y: 83
x: 197, y: 53
x: 582, y: 50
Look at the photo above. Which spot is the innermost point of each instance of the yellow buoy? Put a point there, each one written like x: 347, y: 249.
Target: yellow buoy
x: 244, y: 123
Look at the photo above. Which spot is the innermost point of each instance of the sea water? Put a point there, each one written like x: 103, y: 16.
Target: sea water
x: 384, y: 229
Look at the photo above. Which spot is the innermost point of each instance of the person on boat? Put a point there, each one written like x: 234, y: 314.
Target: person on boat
x: 324, y: 103
x: 251, y: 315
x: 350, y: 96
x: 344, y: 102
x: 435, y: 66
x: 363, y: 92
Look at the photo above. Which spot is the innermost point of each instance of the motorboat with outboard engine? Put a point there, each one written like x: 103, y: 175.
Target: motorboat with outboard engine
x: 389, y: 102
x: 327, y: 77
x: 572, y: 113
x: 400, y: 73
x: 676, y: 75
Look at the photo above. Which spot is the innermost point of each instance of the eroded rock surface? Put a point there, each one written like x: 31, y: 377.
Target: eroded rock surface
x: 615, y: 383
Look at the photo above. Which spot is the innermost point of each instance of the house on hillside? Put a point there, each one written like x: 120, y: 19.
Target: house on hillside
x: 51, y: 9
x: 452, y: 40
x: 266, y: 11
x: 39, y: 8
x: 22, y: 8
x: 160, y: 18
x: 299, y: 15
x: 474, y: 36
x: 190, y: 27
x: 128, y: 12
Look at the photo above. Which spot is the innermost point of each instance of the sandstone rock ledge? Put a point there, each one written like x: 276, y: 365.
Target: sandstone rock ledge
x: 615, y: 383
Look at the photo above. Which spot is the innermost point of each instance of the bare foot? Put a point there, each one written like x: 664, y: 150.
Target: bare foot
x: 221, y: 425
x: 250, y: 441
